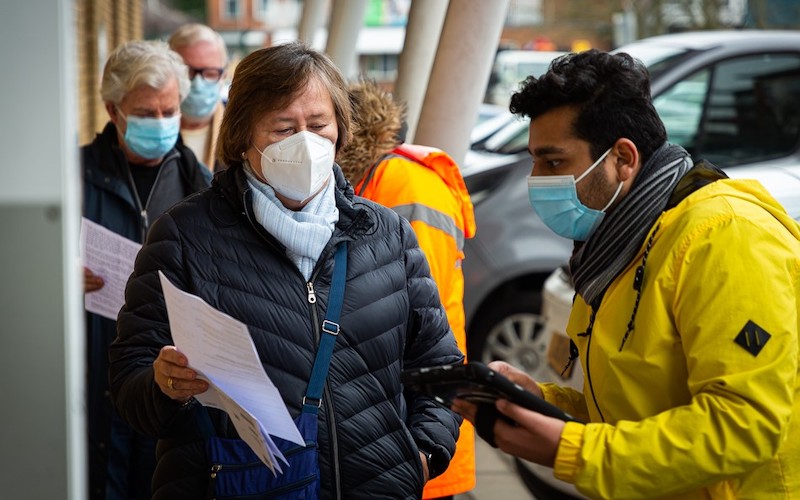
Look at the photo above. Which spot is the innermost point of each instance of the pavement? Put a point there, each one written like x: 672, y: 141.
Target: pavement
x: 497, y: 477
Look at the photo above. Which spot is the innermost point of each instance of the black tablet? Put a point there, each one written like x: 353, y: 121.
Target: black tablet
x: 476, y: 383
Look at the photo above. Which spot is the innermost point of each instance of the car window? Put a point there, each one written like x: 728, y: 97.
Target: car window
x: 511, y: 139
x: 751, y: 112
x: 681, y: 107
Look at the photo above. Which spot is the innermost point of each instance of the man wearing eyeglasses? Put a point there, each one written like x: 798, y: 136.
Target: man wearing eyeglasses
x: 204, y: 52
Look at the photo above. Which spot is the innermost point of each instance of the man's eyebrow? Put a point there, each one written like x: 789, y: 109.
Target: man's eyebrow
x: 143, y: 110
x: 546, y: 150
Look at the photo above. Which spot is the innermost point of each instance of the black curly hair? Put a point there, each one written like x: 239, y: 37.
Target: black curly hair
x: 611, y: 93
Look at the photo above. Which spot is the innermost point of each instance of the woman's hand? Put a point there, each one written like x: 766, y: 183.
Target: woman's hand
x: 91, y: 282
x: 174, y: 377
x: 425, y: 471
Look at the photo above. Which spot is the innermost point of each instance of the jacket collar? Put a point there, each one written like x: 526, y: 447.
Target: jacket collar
x: 110, y: 170
x: 354, y: 218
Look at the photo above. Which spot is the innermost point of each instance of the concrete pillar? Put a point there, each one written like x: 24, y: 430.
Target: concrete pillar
x: 347, y: 17
x: 460, y: 74
x: 312, y: 18
x: 425, y: 20
x: 42, y: 423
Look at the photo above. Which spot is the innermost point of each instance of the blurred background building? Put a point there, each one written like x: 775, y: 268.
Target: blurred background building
x: 543, y: 25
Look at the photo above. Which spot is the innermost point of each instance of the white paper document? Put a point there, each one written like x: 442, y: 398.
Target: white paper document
x: 220, y: 349
x: 111, y: 257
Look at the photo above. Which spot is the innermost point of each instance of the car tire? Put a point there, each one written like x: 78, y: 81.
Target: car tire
x: 509, y: 329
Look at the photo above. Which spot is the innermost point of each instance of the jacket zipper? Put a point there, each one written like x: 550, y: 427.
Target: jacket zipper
x: 588, y: 333
x: 326, y: 399
x: 215, y: 468
x: 143, y: 218
x: 291, y: 487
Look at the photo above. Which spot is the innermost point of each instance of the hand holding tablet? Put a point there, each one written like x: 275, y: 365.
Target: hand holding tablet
x: 478, y: 384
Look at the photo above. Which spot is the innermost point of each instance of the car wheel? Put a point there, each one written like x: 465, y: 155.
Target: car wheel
x: 510, y: 330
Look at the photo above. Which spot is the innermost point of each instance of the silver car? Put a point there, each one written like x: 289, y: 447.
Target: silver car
x: 732, y: 97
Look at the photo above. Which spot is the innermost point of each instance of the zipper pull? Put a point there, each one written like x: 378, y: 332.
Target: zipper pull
x: 145, y: 222
x: 214, y: 469
x: 312, y: 297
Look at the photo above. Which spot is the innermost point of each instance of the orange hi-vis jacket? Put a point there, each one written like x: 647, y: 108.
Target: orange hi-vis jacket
x: 425, y: 186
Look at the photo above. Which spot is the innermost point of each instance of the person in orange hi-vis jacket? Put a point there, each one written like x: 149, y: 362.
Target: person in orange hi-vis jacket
x: 425, y: 186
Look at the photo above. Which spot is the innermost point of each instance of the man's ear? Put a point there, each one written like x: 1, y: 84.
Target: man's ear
x: 627, y: 159
x: 111, y: 109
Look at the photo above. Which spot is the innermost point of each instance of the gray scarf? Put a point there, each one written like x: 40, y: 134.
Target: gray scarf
x: 597, y: 261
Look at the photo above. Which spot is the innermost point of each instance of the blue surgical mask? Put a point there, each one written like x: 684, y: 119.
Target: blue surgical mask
x: 202, y: 99
x: 151, y: 138
x: 555, y: 199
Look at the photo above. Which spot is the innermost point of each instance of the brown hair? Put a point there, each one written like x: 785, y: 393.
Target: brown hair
x: 268, y: 80
x: 377, y: 120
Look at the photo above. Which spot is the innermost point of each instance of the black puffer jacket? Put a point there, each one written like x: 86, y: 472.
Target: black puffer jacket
x: 110, y: 199
x: 210, y: 245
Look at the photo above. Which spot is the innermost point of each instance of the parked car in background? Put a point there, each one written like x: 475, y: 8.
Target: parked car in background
x: 731, y: 97
x: 511, y: 67
x: 491, y: 118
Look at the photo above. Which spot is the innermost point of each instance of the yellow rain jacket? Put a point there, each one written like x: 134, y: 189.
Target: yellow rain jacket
x: 702, y: 399
x: 425, y: 186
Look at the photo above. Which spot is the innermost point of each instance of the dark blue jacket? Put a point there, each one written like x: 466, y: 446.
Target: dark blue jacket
x: 110, y: 200
x: 369, y: 433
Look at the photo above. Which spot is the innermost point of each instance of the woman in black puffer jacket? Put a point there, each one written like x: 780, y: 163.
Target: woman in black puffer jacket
x: 261, y: 251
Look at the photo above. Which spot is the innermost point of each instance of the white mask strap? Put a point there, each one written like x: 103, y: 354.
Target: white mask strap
x: 616, y: 193
x: 602, y: 157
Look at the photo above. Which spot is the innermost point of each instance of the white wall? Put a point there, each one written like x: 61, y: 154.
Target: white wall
x: 42, y: 427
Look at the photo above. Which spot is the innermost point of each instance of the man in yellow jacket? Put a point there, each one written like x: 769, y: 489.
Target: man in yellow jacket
x: 686, y: 314
x: 425, y: 186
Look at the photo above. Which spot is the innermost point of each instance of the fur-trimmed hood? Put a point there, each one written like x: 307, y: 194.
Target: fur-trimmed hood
x: 377, y: 119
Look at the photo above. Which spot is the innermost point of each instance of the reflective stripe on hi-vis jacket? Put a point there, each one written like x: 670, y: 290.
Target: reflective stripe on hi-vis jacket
x: 424, y: 185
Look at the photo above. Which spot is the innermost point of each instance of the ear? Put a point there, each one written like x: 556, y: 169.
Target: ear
x: 627, y: 159
x: 111, y: 109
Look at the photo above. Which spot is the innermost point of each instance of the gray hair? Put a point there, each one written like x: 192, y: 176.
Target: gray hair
x: 139, y: 62
x: 191, y: 33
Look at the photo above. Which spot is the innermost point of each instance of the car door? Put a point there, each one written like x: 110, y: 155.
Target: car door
x: 740, y: 110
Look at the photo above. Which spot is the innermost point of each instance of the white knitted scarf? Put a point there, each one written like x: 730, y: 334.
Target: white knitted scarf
x: 305, y: 232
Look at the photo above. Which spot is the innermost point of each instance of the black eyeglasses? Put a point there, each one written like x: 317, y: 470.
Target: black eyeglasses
x: 208, y: 74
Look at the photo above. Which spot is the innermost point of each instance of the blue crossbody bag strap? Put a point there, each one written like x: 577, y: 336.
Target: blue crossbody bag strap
x: 235, y: 472
x: 330, y: 330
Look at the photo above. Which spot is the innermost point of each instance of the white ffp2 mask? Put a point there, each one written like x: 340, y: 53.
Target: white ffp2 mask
x: 299, y: 166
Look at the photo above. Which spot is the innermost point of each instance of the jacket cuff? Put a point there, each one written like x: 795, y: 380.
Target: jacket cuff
x: 438, y: 458
x: 567, y: 461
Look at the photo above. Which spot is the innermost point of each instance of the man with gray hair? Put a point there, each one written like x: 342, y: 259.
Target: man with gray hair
x: 203, y: 50
x: 132, y: 172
